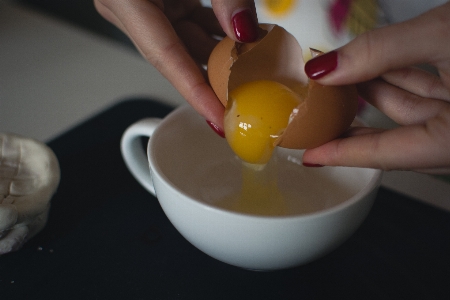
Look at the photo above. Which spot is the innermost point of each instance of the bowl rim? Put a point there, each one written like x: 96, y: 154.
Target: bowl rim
x: 370, y: 186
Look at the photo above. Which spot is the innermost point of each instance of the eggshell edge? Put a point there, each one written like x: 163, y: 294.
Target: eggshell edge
x: 308, y: 129
x: 229, y: 66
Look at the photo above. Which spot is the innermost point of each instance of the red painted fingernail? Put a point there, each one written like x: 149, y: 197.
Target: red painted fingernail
x: 245, y: 27
x: 216, y: 129
x: 312, y: 165
x: 321, y: 65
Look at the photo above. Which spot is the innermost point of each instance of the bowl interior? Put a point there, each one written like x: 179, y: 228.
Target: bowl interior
x: 201, y: 165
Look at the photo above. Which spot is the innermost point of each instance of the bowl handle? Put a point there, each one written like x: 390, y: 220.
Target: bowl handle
x: 133, y: 153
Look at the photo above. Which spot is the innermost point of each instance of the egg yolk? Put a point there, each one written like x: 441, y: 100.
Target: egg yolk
x: 257, y: 112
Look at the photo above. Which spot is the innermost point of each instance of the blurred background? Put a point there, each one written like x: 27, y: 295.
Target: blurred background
x: 61, y: 63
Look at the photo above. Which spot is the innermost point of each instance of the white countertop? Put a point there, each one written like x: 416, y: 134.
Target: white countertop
x: 54, y: 75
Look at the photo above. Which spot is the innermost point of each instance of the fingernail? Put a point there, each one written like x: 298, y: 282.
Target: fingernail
x: 245, y: 27
x: 216, y: 129
x: 312, y: 165
x: 321, y: 65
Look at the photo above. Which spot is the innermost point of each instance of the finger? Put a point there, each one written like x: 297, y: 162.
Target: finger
x: 419, y: 82
x: 400, y: 105
x: 433, y: 171
x: 206, y: 19
x: 197, y: 41
x: 108, y: 15
x: 155, y: 38
x: 14, y: 240
x: 360, y: 130
x: 444, y: 72
x: 420, y: 40
x: 405, y: 148
x: 238, y: 19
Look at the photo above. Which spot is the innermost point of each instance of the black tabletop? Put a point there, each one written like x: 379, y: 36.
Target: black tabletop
x: 108, y: 238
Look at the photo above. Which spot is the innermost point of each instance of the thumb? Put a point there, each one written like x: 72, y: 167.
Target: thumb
x: 419, y: 40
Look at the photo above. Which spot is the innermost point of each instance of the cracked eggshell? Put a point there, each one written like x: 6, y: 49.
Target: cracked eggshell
x: 325, y: 112
x: 275, y: 56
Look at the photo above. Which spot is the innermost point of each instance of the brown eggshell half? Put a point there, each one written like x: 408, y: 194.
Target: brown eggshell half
x: 325, y: 113
x: 219, y: 64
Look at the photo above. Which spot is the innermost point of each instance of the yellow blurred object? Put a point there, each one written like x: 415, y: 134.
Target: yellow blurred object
x: 363, y: 16
x: 279, y: 7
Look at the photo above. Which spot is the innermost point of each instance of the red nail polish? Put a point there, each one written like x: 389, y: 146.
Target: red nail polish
x: 216, y: 129
x: 312, y: 165
x: 321, y: 65
x: 245, y: 27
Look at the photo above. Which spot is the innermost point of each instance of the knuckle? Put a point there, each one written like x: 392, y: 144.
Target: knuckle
x: 368, y: 55
x: 369, y: 45
x: 407, y: 108
x: 160, y: 57
x: 438, y: 128
x: 434, y: 88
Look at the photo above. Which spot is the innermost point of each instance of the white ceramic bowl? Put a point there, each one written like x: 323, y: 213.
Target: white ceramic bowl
x: 180, y: 150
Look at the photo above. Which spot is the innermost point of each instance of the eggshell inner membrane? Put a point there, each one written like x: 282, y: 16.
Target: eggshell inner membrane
x: 277, y: 57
